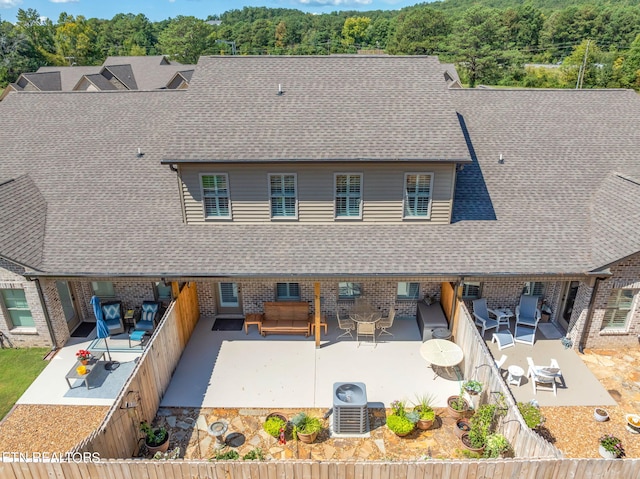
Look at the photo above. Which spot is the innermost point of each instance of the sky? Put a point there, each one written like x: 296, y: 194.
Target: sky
x: 157, y: 10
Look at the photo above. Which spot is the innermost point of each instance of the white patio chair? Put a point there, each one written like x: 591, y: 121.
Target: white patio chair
x: 347, y: 325
x: 481, y: 314
x: 366, y: 329
x: 385, y: 323
x: 503, y: 338
x: 500, y: 362
x: 544, y: 377
x: 527, y: 317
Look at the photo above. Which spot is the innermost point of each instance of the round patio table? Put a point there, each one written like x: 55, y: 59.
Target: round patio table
x: 442, y: 353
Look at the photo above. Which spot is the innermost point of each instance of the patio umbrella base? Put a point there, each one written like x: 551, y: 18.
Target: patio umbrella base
x: 111, y: 365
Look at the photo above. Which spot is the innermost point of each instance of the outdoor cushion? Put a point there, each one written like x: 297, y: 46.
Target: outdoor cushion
x: 111, y: 311
x: 549, y: 371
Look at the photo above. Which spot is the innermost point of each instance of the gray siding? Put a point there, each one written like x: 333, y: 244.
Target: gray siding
x: 382, y: 191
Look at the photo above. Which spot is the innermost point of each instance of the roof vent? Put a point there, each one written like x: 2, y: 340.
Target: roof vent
x: 501, y: 159
x: 280, y: 92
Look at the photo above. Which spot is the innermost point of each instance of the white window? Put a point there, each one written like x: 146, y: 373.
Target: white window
x: 349, y: 290
x: 215, y: 195
x: 533, y: 288
x: 619, y: 308
x: 17, y: 308
x: 228, y: 295
x: 284, y: 201
x: 163, y: 291
x: 417, y: 195
x: 103, y: 289
x: 471, y: 290
x: 348, y: 195
x: 287, y: 292
x: 408, y: 290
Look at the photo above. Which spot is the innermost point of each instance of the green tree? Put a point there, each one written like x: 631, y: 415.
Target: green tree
x: 421, y: 31
x: 125, y: 33
x: 75, y: 41
x: 17, y: 54
x: 354, y: 30
x: 186, y: 38
x: 584, y: 63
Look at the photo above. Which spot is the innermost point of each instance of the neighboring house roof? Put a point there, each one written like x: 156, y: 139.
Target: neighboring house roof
x: 124, y: 73
x: 112, y: 212
x: 69, y: 76
x: 331, y: 107
x: 45, y: 81
x: 97, y: 80
x: 22, y: 221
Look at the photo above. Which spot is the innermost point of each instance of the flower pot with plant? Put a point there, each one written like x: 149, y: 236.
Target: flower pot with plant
x: 305, y: 427
x: 401, y: 421
x: 156, y: 438
x: 274, y: 424
x: 458, y: 406
x: 472, y: 387
x: 83, y: 356
x: 462, y: 426
x: 426, y: 414
x: 600, y: 414
x: 496, y: 445
x: 481, y: 425
x: 610, y: 447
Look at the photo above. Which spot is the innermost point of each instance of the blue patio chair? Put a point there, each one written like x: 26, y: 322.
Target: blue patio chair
x: 112, y: 313
x: 527, y: 317
x: 148, y: 316
x: 481, y: 314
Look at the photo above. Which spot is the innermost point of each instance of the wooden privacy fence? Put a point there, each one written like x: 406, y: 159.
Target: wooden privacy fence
x: 118, y: 435
x: 478, y: 364
x: 477, y: 469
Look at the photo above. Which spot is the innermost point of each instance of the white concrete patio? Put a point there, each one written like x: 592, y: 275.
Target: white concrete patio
x: 50, y: 387
x: 231, y: 369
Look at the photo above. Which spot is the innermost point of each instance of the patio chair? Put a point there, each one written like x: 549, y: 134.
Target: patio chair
x: 544, y: 377
x: 385, y: 323
x: 112, y: 314
x: 148, y: 316
x: 500, y: 362
x: 366, y: 329
x: 347, y: 325
x: 527, y: 317
x: 481, y: 314
x: 503, y: 338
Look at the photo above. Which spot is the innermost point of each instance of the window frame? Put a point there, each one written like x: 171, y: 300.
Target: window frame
x: 613, y: 325
x: 465, y: 292
x: 352, y: 288
x: 531, y: 286
x: 405, y: 196
x: 283, y: 196
x: 347, y: 196
x: 97, y: 292
x: 204, y: 196
x: 288, y: 296
x: 156, y: 291
x: 8, y: 310
x: 408, y: 297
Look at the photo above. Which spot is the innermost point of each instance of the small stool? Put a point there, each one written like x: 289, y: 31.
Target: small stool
x: 253, y: 318
x: 137, y: 335
x: 503, y: 338
x: 515, y: 375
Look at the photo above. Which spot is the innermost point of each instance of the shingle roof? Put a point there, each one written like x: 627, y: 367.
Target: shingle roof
x: 49, y: 81
x: 124, y: 73
x: 99, y: 81
x: 109, y: 211
x: 22, y: 221
x: 332, y: 107
x: 69, y: 76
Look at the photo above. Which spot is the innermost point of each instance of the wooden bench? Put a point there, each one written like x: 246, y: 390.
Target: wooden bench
x: 286, y: 317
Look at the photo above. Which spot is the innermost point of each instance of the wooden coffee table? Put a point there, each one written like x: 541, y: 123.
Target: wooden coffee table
x: 92, y: 366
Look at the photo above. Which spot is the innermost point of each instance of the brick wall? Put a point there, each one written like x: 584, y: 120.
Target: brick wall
x: 36, y: 336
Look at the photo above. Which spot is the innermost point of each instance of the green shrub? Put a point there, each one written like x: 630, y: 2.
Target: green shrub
x: 305, y: 424
x: 273, y: 425
x: 254, y: 455
x: 400, y: 424
x: 229, y: 455
x: 531, y: 414
x: 496, y: 445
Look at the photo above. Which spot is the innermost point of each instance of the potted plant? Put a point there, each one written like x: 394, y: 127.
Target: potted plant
x: 481, y: 425
x: 462, y: 426
x: 458, y: 406
x: 472, y: 386
x: 274, y: 424
x: 600, y: 414
x: 531, y: 414
x: 305, y: 427
x: 156, y: 438
x: 426, y: 414
x: 83, y: 356
x: 610, y: 447
x: 496, y: 445
x: 401, y: 421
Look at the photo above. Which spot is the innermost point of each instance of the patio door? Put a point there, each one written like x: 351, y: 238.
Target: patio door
x: 68, y: 304
x: 229, y: 299
x: 569, y: 292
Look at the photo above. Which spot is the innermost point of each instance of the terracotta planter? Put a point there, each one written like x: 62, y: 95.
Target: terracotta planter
x: 461, y: 427
x: 307, y: 438
x: 278, y: 415
x: 425, y: 424
x: 163, y: 447
x: 84, y: 362
x: 454, y: 413
x: 467, y: 444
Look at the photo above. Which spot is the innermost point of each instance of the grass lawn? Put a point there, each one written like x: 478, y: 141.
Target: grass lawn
x: 18, y: 369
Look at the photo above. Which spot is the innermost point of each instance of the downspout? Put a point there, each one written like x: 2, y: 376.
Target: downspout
x: 47, y: 318
x: 587, y: 321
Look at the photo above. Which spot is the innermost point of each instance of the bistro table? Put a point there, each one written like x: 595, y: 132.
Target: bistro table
x: 364, y: 312
x: 442, y: 353
x: 503, y: 316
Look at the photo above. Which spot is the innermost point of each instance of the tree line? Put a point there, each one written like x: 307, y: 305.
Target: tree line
x: 591, y: 45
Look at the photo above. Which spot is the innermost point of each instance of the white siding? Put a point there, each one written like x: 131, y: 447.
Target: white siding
x: 382, y: 191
